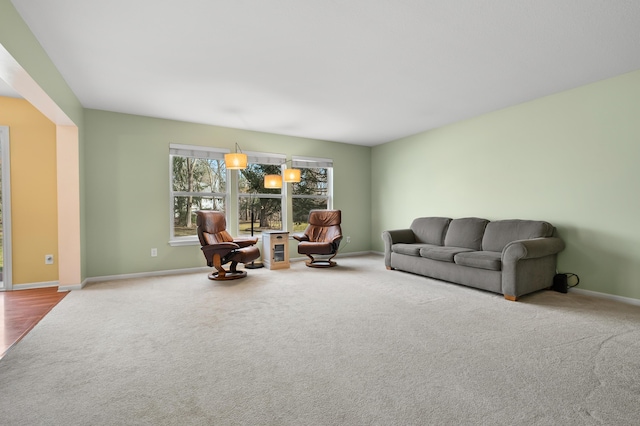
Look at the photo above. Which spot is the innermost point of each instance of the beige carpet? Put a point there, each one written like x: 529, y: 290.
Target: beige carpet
x: 352, y: 345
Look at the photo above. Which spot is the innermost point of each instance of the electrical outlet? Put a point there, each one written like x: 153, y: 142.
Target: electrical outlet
x: 348, y: 239
x: 154, y: 252
x: 48, y: 259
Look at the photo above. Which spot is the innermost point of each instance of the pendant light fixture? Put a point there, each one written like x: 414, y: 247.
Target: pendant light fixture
x: 272, y: 181
x: 236, y: 160
x: 288, y: 176
x: 291, y: 175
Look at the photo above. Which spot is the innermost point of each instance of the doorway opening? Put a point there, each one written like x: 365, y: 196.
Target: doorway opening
x: 5, y: 211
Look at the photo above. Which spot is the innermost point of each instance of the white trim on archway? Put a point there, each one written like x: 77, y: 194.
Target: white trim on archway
x: 6, y: 282
x: 68, y: 167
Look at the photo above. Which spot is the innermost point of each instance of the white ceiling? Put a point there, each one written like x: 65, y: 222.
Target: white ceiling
x: 355, y: 71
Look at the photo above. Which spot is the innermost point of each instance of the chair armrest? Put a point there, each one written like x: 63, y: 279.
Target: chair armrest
x: 245, y: 242
x: 300, y: 237
x: 531, y: 249
x: 221, y: 248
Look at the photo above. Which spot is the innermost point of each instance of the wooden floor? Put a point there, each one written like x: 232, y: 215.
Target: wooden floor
x: 21, y: 310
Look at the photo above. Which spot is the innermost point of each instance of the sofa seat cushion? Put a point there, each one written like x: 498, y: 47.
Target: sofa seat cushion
x: 409, y: 249
x: 444, y: 254
x: 490, y: 260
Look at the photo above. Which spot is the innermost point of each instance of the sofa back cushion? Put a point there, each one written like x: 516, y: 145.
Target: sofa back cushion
x: 430, y: 230
x: 466, y: 232
x: 501, y: 232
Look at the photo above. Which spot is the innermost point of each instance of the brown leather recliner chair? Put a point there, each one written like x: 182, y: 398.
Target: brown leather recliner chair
x: 219, y: 247
x: 322, y: 237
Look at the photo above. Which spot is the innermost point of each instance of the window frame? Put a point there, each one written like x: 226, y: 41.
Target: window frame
x: 299, y: 162
x: 265, y: 158
x: 194, y: 151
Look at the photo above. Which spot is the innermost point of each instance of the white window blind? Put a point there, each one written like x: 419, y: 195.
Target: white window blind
x: 195, y: 151
x: 311, y: 162
x: 265, y: 158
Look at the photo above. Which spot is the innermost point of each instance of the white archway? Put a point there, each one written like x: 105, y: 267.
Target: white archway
x: 68, y: 168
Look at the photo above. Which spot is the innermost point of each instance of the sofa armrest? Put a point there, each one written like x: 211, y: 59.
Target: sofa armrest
x: 392, y: 237
x: 529, y: 265
x: 531, y: 249
x: 399, y: 236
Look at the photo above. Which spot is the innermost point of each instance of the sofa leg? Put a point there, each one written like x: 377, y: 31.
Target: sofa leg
x: 389, y: 268
x: 510, y: 297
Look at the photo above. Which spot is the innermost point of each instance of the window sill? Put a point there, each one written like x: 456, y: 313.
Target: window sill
x: 184, y: 242
x: 193, y: 241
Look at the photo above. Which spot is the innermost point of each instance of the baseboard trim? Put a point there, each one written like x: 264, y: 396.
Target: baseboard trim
x: 72, y: 286
x: 176, y: 272
x: 356, y: 253
x: 27, y: 286
x: 627, y: 300
x: 145, y: 274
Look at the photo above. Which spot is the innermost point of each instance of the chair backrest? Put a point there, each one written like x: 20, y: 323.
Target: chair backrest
x: 324, y: 225
x: 212, y: 227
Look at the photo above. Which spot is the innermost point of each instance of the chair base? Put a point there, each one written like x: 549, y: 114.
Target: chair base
x: 228, y: 275
x: 320, y: 263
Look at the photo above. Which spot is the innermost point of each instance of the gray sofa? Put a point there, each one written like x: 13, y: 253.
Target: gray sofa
x: 509, y: 257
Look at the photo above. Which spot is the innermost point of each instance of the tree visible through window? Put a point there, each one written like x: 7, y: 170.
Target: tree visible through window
x: 198, y: 182
x: 314, y: 191
x: 264, y: 206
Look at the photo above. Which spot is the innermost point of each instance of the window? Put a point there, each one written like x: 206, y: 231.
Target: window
x: 198, y: 182
x: 259, y: 209
x: 314, y: 191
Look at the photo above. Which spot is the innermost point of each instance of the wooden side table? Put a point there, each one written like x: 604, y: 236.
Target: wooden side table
x: 275, y: 249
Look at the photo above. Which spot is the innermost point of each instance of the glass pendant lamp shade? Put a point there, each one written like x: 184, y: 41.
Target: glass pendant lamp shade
x: 273, y: 181
x: 235, y: 161
x: 291, y: 175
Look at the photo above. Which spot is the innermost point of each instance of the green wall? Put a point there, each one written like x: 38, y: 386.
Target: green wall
x: 571, y: 159
x: 127, y: 181
x: 17, y: 39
